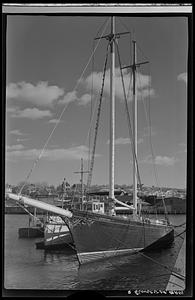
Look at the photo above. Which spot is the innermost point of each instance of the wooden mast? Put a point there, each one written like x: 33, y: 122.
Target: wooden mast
x: 134, y: 129
x: 112, y: 108
x: 134, y: 146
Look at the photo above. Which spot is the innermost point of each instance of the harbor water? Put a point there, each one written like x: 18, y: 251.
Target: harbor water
x: 26, y: 267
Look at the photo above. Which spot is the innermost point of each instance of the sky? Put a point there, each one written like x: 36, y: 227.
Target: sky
x: 49, y: 75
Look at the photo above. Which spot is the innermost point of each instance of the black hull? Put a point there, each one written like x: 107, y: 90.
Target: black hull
x: 98, y: 236
x: 164, y: 242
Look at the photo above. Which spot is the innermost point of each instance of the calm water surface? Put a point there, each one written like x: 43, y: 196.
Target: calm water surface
x: 29, y: 268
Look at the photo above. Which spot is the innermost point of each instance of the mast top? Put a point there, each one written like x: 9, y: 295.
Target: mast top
x: 111, y: 35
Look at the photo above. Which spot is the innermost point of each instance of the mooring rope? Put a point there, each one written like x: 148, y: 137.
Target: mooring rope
x: 180, y: 225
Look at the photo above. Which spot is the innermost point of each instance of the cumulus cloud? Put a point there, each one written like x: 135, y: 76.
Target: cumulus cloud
x: 125, y: 141
x: 85, y: 99
x: 51, y: 154
x: 16, y: 132
x: 143, y: 84
x: 122, y: 141
x: 10, y: 109
x: 40, y: 94
x: 161, y: 160
x: 182, y: 77
x: 31, y: 113
x: 54, y: 121
x: 69, y: 97
x: 15, y: 147
x: 21, y: 140
x: 73, y: 97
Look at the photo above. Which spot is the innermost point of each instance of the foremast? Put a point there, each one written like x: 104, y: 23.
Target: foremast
x: 112, y: 108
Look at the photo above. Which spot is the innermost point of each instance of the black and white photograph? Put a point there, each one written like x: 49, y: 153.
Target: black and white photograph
x: 97, y: 183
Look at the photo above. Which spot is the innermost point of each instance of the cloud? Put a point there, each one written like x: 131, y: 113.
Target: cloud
x: 73, y: 97
x: 54, y: 121
x: 11, y: 109
x: 182, y: 77
x: 15, y: 147
x: 143, y: 84
x: 69, y: 97
x: 125, y: 141
x: 122, y: 141
x: 21, y: 140
x: 85, y: 99
x: 76, y: 152
x: 40, y: 94
x: 16, y: 132
x: 160, y: 160
x: 31, y: 113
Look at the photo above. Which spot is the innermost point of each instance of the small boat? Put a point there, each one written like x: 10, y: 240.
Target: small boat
x: 56, y: 235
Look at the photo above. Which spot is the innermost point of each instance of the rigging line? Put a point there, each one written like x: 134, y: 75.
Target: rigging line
x: 164, y: 266
x: 144, y: 56
x: 150, y: 134
x: 97, y: 121
x: 123, y: 24
x: 65, y: 107
x: 29, y: 213
x: 156, y: 276
x: 91, y: 108
x: 130, y: 38
x: 178, y: 235
x: 91, y: 123
x: 101, y: 26
x: 148, y: 118
x: 129, y: 121
x: 152, y: 150
x: 180, y: 225
x: 149, y: 124
x: 174, y: 283
x: 126, y: 27
x: 150, y: 141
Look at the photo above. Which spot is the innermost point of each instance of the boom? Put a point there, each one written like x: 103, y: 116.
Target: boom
x: 39, y: 204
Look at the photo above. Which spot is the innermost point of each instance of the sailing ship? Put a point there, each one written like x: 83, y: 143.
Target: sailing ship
x: 102, y: 234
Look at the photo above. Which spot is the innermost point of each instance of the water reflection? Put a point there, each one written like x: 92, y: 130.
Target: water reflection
x: 62, y: 255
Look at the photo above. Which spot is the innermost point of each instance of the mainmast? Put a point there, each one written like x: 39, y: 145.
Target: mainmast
x: 112, y: 108
x: 112, y: 37
x: 134, y: 128
x: 135, y: 166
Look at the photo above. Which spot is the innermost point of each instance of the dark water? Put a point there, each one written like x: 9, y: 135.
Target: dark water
x: 29, y: 268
